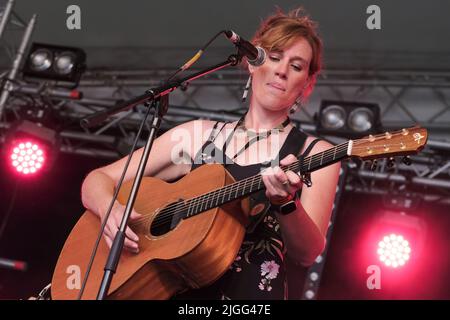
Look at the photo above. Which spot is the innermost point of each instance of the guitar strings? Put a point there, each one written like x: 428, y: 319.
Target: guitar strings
x: 211, y: 196
x: 195, y: 202
x: 176, y: 208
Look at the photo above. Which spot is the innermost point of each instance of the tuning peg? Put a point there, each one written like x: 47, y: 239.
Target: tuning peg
x: 406, y: 160
x: 306, y: 179
x: 391, y: 162
x: 374, y: 165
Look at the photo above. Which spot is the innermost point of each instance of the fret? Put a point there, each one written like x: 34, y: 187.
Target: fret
x: 201, y: 203
x: 334, y: 153
x: 190, y: 208
x: 207, y: 207
x: 243, y: 187
x: 196, y: 207
x: 211, y: 197
x: 324, y: 158
x: 309, y: 165
x: 209, y: 202
x: 328, y: 158
x: 251, y: 186
x: 321, y: 157
x: 223, y: 196
x: 217, y: 199
x: 205, y: 202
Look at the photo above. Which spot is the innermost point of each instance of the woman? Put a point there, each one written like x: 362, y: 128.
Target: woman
x: 278, y: 86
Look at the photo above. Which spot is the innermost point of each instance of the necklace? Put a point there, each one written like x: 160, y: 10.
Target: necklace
x: 252, y: 133
x: 256, y: 136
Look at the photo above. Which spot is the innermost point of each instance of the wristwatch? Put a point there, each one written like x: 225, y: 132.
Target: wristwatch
x: 286, y: 207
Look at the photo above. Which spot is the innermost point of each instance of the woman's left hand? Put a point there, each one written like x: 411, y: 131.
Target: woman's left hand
x: 281, y: 186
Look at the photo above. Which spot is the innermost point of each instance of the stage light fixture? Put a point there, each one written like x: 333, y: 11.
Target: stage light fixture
x: 394, y: 250
x: 58, y: 63
x: 27, y: 157
x: 30, y: 148
x: 333, y: 117
x: 394, y: 240
x: 361, y: 120
x: 348, y: 119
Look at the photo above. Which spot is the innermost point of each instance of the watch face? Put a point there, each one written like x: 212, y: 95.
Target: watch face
x: 288, y: 207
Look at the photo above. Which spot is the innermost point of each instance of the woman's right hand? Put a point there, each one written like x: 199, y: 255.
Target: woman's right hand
x: 113, y: 225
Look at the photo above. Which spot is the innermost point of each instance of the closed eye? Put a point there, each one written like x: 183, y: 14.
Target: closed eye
x: 294, y: 66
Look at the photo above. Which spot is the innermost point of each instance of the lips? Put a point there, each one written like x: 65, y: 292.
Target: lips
x: 276, y: 86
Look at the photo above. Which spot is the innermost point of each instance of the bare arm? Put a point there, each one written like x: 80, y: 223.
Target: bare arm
x: 164, y: 162
x: 304, y: 230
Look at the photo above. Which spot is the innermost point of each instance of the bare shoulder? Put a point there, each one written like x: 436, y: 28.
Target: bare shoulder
x: 195, y: 133
x: 320, y: 146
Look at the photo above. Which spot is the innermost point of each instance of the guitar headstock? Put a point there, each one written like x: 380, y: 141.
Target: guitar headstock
x: 398, y: 143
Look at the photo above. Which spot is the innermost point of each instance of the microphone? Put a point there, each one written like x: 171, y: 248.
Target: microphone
x: 255, y: 55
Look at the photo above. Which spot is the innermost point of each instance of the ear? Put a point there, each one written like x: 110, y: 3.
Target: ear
x: 307, y: 83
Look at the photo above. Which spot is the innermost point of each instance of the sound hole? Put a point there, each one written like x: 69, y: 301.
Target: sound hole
x: 168, y: 218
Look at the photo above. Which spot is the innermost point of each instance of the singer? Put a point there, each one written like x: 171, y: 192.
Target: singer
x: 288, y: 219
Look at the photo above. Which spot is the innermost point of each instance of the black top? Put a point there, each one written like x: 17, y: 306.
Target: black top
x: 258, y: 271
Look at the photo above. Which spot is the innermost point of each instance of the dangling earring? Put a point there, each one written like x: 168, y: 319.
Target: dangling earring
x: 247, y: 87
x: 299, y: 101
x: 297, y: 104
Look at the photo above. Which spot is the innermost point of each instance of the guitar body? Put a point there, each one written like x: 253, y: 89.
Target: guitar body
x: 195, y: 253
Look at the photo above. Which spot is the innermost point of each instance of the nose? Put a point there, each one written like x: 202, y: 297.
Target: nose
x: 281, y: 69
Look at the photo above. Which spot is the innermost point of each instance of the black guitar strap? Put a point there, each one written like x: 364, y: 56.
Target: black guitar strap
x: 309, y: 148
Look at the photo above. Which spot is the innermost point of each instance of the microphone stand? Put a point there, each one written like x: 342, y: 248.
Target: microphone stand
x: 158, y: 97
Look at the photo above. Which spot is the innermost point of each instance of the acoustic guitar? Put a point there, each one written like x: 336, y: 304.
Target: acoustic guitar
x: 191, y: 230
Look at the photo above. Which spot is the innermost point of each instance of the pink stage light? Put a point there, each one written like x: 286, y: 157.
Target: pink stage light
x: 27, y: 157
x: 394, y: 250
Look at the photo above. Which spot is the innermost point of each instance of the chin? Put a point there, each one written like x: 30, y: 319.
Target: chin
x: 276, y: 109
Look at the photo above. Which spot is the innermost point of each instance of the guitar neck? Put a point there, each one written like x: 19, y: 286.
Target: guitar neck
x: 245, y: 187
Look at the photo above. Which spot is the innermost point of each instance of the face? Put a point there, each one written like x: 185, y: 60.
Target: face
x: 283, y: 76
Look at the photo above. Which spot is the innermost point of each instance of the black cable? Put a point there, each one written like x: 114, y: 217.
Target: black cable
x: 195, y: 57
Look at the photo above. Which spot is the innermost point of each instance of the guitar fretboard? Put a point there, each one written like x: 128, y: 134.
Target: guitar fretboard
x: 254, y: 183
